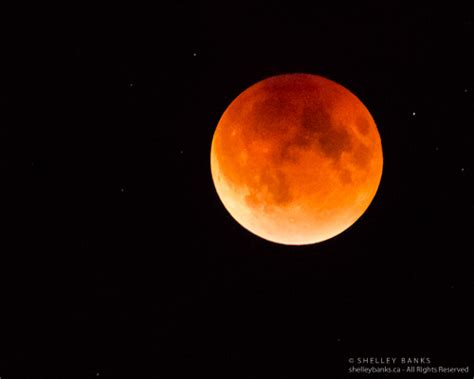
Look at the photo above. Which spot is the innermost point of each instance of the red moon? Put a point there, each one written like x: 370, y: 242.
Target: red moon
x: 296, y: 159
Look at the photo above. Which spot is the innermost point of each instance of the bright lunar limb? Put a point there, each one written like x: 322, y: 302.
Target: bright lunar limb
x: 296, y: 159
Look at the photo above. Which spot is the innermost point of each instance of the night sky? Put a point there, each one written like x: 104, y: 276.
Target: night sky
x: 118, y: 258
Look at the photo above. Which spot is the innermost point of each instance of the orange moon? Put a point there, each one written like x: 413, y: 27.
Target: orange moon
x: 296, y: 159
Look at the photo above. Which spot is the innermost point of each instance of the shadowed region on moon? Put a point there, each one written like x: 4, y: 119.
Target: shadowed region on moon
x: 296, y: 159
x: 332, y: 139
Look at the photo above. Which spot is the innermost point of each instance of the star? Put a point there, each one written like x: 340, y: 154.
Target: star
x: 131, y: 84
x: 462, y: 169
x: 437, y: 148
x: 414, y: 113
x: 122, y: 189
x: 465, y: 90
x: 194, y: 54
x: 181, y: 151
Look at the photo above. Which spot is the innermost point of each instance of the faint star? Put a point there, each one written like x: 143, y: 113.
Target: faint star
x: 462, y: 169
x: 465, y: 89
x: 181, y: 151
x: 194, y: 54
x: 437, y: 148
x: 122, y: 189
x: 131, y: 84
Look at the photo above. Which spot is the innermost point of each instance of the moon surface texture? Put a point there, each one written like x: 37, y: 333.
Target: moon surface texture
x: 296, y: 159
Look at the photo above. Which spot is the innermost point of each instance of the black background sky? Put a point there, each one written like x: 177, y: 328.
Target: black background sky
x: 119, y: 258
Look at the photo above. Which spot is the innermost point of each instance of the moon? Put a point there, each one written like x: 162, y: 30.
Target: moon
x: 296, y: 159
